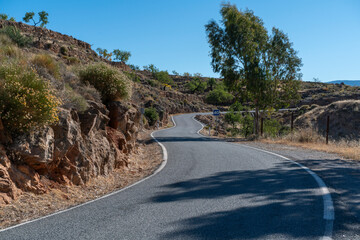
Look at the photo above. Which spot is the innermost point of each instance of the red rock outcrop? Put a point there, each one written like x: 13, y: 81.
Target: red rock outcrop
x: 81, y: 146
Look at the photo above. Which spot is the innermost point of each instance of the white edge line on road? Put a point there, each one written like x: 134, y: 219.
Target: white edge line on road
x: 202, y: 125
x: 329, y: 215
x: 161, y: 167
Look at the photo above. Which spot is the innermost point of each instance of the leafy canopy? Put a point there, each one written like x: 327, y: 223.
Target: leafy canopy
x: 260, y: 68
x: 219, y: 96
x: 196, y: 85
x: 151, y: 68
x: 122, y: 56
x: 4, y: 16
x: 43, y: 18
x: 104, y: 53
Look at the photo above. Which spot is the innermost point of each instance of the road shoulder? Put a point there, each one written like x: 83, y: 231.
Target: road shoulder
x: 341, y: 176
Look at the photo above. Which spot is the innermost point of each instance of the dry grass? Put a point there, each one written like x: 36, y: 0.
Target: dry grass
x: 29, y: 206
x: 47, y: 62
x: 8, y: 49
x: 310, y: 139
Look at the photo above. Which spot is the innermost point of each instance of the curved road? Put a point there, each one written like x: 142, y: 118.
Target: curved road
x: 208, y: 190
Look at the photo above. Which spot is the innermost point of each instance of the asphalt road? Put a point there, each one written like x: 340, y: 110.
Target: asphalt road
x: 207, y: 190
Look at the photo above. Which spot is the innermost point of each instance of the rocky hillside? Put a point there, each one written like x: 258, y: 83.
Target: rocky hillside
x: 344, y: 119
x: 83, y: 129
x: 62, y: 45
x: 87, y: 132
x: 325, y: 93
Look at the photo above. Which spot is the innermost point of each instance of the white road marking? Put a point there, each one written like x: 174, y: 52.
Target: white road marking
x: 163, y: 164
x: 329, y: 215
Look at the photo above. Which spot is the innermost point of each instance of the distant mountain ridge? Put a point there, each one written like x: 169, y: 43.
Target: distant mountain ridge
x: 347, y: 82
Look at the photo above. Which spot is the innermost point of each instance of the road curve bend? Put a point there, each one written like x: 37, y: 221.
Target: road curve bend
x: 208, y: 189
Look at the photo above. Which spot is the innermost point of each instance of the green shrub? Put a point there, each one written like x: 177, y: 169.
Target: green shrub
x: 151, y: 68
x: 14, y: 34
x: 211, y: 83
x: 25, y: 99
x: 272, y: 127
x: 163, y: 77
x: 234, y: 131
x: 151, y: 115
x: 74, y: 99
x: 109, y: 81
x: 63, y: 50
x: 233, y: 118
x: 134, y: 67
x: 219, y: 96
x: 152, y: 83
x: 132, y: 76
x: 47, y: 62
x: 71, y: 60
x: 196, y: 85
x: 247, y: 125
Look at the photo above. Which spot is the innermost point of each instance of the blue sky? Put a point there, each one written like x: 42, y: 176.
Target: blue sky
x: 170, y: 33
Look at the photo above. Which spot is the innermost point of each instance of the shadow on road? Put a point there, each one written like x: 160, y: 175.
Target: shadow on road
x: 273, y: 202
x: 343, y: 178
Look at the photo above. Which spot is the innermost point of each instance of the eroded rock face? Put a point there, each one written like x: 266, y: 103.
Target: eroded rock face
x: 14, y: 177
x: 34, y: 149
x: 126, y: 119
x: 82, y: 149
x: 81, y: 146
x: 8, y: 189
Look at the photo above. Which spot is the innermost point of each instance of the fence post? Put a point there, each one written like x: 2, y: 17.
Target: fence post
x: 261, y: 126
x: 327, y: 129
x: 254, y: 123
x: 292, y: 121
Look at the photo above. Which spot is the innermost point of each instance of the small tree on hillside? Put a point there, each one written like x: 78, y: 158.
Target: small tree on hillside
x: 43, y: 18
x: 4, y: 16
x: 104, y: 53
x: 151, y: 68
x: 259, y: 68
x: 122, y: 56
x: 196, y: 85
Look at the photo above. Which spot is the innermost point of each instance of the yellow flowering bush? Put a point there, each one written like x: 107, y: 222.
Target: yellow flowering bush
x: 109, y: 81
x: 26, y: 100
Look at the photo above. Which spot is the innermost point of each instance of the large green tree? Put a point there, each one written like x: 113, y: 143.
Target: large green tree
x: 259, y: 68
